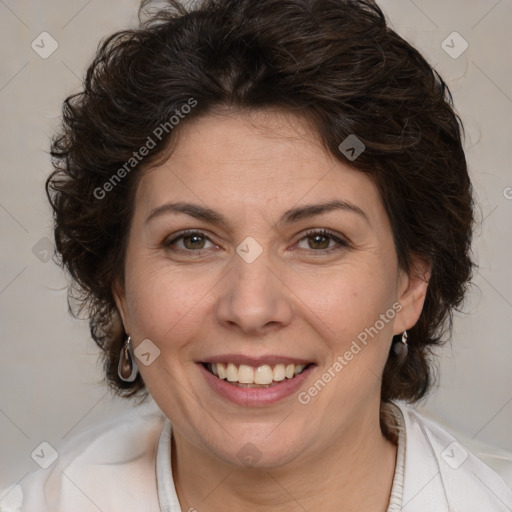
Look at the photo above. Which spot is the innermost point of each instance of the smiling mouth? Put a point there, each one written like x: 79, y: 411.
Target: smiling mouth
x: 264, y: 376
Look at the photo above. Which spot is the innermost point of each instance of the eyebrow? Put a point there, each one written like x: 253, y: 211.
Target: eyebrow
x: 290, y: 216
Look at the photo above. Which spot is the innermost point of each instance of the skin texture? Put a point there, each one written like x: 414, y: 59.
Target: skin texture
x: 295, y: 299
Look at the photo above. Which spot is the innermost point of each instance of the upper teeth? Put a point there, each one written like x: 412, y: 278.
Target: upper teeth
x: 263, y: 374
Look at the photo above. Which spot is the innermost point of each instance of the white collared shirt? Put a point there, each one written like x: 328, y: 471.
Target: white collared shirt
x: 125, y: 464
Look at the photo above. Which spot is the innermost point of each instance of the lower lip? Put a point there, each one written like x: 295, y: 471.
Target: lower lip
x: 255, y: 397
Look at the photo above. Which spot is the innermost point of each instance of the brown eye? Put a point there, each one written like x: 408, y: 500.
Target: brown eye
x: 193, y: 241
x: 190, y: 241
x: 321, y: 240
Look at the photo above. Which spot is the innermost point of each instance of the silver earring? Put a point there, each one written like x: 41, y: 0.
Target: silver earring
x: 402, y: 349
x: 127, y: 367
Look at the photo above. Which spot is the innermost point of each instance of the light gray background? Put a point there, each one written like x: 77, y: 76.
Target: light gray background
x: 49, y: 379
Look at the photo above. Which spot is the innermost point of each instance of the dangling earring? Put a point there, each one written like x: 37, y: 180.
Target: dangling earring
x: 127, y: 367
x: 402, y: 349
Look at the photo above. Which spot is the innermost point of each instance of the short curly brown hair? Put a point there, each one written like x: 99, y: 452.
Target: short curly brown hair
x: 335, y: 62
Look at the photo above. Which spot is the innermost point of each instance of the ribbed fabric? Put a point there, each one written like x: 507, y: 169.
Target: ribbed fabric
x: 395, y: 502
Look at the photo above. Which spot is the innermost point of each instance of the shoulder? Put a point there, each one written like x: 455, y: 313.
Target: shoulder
x: 118, y: 455
x: 439, y: 469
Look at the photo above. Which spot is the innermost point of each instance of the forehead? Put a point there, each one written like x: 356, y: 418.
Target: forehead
x: 251, y: 160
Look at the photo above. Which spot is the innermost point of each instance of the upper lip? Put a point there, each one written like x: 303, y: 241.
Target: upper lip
x: 239, y: 359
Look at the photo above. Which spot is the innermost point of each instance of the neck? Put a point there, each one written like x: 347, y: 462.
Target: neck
x: 354, y: 472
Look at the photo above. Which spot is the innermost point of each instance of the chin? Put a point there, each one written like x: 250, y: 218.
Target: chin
x: 259, y: 452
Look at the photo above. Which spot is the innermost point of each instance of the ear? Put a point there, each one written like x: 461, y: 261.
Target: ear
x: 412, y: 290
x: 119, y: 295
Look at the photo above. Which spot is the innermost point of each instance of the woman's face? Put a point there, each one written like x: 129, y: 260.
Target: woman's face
x: 262, y: 290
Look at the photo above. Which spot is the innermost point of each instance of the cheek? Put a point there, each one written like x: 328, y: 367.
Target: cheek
x: 348, y: 299
x: 357, y: 338
x: 162, y: 301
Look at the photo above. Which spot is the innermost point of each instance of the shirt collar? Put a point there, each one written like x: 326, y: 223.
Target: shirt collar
x: 167, y: 495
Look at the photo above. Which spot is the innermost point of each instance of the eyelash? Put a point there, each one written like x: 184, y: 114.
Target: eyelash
x: 342, y: 244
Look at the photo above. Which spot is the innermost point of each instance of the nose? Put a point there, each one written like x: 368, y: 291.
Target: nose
x: 254, y: 298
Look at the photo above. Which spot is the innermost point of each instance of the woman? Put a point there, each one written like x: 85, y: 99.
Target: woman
x: 266, y: 212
